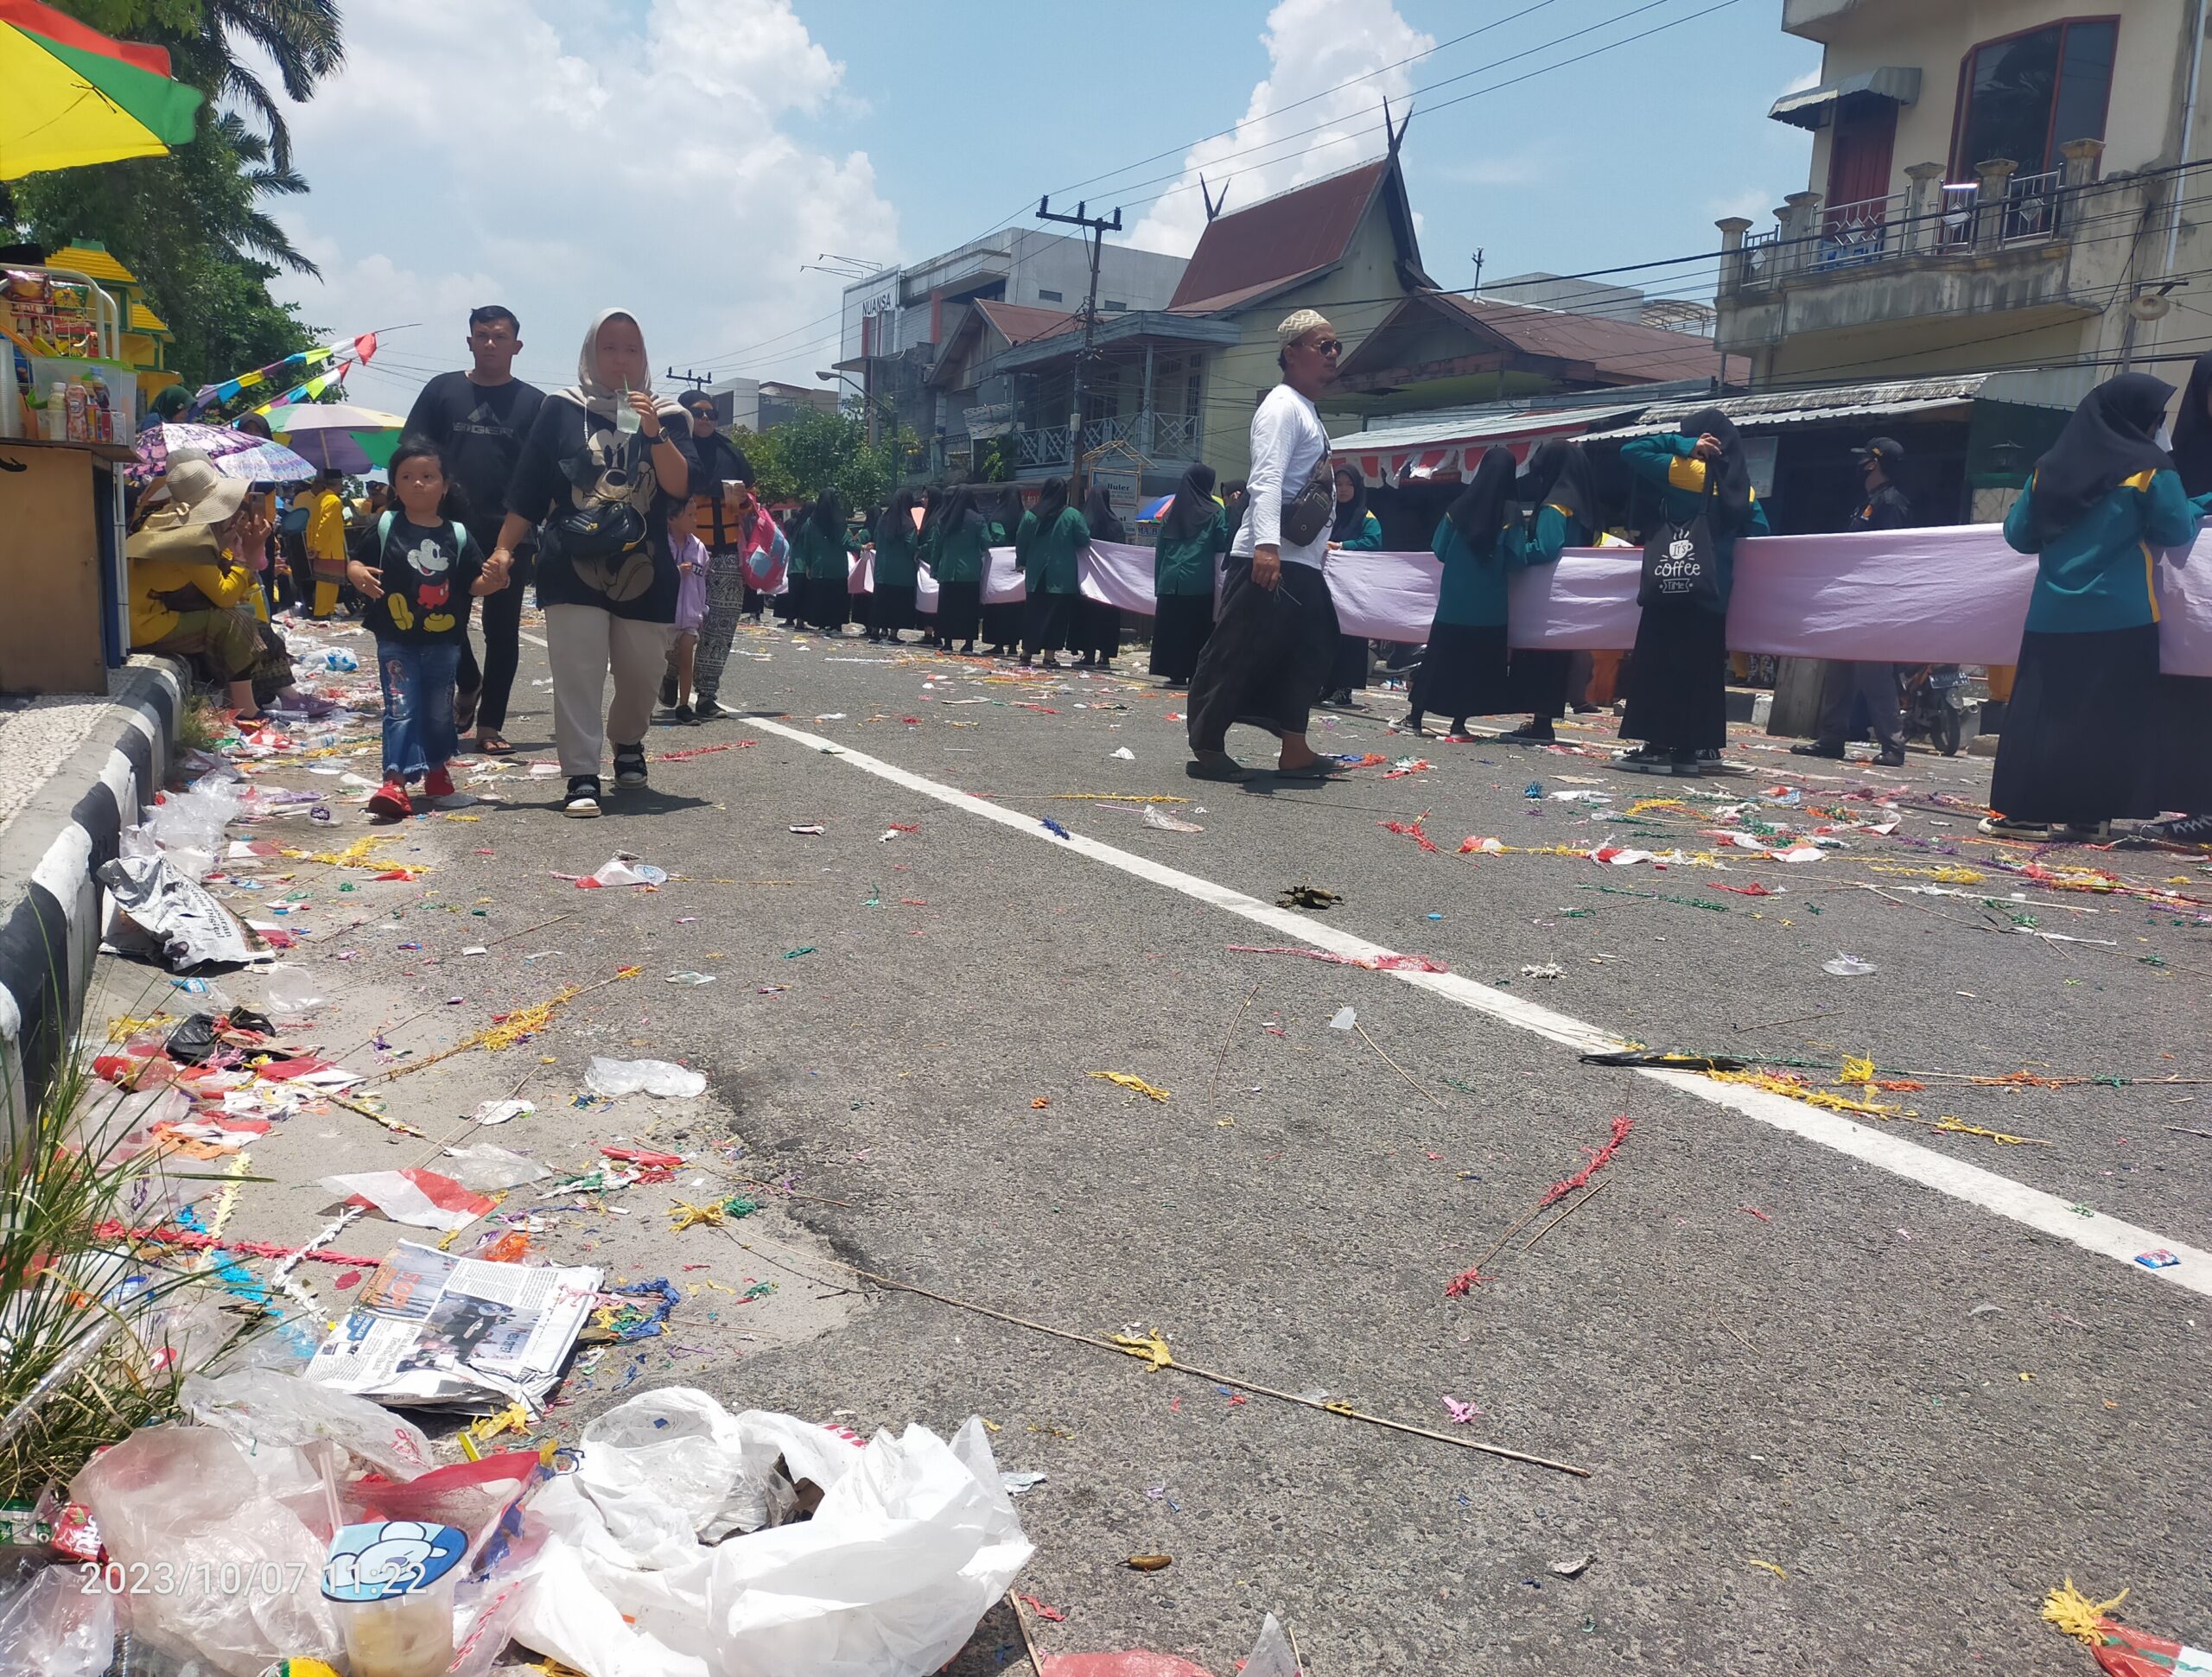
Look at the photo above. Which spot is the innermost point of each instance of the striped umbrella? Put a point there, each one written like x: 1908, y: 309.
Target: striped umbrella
x: 338, y: 435
x: 71, y: 96
x: 233, y: 453
x: 1153, y: 512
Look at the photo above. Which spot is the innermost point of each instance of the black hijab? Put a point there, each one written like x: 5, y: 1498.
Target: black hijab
x: 2112, y: 436
x: 932, y: 508
x: 1098, y: 513
x: 1730, y: 476
x: 1236, y: 499
x: 1487, y: 504
x: 897, y: 523
x: 1192, y: 509
x: 1559, y: 475
x: 2193, y: 429
x: 830, y: 515
x: 959, y: 507
x: 1051, y: 501
x: 1352, y: 515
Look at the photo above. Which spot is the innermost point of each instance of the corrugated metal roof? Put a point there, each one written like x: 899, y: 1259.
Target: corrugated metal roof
x: 1247, y: 252
x: 1617, y: 349
x: 1018, y: 323
x: 1435, y: 431
x: 1832, y: 405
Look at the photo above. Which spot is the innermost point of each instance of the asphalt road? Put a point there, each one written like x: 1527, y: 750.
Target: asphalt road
x: 1843, y: 1406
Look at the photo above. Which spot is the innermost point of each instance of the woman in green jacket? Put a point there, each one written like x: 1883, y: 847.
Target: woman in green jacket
x: 1185, y: 557
x: 959, y: 556
x: 1356, y: 529
x: 2077, y: 747
x: 1564, y: 492
x: 891, y: 608
x: 1463, y: 672
x: 1677, y: 684
x: 1002, y: 619
x: 1051, y: 600
x: 818, y: 551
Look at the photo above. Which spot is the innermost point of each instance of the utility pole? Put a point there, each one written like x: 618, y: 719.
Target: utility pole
x: 689, y: 380
x: 1479, y: 271
x: 1096, y: 227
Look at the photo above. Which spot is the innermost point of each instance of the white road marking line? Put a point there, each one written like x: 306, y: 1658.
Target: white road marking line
x: 535, y: 640
x: 2047, y: 1214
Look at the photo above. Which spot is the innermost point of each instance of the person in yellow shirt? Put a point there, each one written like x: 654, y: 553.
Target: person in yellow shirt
x: 187, y: 598
x: 326, y: 541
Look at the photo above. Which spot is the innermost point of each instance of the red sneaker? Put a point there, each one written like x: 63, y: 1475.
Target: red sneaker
x: 390, y: 801
x: 438, y: 783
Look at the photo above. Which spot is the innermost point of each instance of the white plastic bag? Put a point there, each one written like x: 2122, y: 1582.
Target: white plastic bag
x: 54, y: 1627
x: 291, y: 991
x: 157, y: 905
x: 913, y: 1541
x: 185, y: 1498
x: 613, y: 1078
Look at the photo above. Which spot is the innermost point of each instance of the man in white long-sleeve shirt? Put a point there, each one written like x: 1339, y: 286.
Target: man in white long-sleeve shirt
x: 1270, y: 653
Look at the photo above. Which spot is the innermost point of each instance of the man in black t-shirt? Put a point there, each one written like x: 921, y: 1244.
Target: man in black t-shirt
x: 479, y: 418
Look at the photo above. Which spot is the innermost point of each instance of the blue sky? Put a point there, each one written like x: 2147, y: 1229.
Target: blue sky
x: 686, y: 157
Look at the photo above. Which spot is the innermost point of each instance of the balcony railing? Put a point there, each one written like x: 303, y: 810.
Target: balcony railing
x: 1930, y: 217
x: 1155, y: 435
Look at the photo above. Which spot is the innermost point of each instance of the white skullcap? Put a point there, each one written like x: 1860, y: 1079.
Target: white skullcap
x: 1297, y: 326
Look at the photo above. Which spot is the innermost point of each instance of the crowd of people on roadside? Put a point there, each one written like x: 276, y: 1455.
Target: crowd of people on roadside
x: 636, y: 519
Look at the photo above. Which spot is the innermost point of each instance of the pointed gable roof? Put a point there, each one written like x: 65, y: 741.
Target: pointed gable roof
x: 1249, y: 255
x: 1018, y: 323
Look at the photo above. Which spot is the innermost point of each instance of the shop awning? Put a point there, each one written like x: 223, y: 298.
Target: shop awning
x: 1814, y: 106
x: 1835, y: 405
x: 1414, y: 452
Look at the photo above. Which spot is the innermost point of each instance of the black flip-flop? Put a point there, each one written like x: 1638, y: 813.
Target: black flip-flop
x: 1224, y: 768
x: 1315, y: 771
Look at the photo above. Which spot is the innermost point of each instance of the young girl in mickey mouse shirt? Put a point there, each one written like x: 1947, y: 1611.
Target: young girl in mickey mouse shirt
x: 418, y: 567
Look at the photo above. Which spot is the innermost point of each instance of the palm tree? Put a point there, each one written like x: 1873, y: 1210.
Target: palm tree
x: 301, y: 38
x: 255, y: 232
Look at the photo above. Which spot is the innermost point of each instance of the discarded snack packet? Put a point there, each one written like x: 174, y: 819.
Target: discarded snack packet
x: 2120, y: 1650
x: 1055, y: 829
x: 2160, y: 1259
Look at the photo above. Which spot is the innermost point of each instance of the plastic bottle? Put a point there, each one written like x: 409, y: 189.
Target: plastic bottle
x: 102, y: 410
x: 77, y: 413
x: 53, y: 418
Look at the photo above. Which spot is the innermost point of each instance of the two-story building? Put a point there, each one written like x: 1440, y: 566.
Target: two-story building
x: 1994, y: 184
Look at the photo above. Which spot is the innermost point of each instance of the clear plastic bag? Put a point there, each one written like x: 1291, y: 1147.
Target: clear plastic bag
x: 262, y: 1407
x: 245, y: 1567
x: 53, y: 1627
x: 613, y: 1078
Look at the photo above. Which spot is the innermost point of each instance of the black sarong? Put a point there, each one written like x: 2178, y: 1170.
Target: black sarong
x: 1179, y: 628
x: 1268, y: 656
x: 1536, y: 682
x: 1678, y: 685
x: 2078, y: 733
x: 958, y: 607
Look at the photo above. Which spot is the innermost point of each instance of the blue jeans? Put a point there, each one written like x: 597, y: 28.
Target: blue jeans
x: 418, y: 727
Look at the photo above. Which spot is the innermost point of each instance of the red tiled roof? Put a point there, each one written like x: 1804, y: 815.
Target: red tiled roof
x: 1019, y: 324
x: 1624, y: 349
x: 1278, y: 241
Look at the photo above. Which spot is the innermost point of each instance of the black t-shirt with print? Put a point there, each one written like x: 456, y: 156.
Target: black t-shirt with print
x: 481, y: 427
x: 572, y: 455
x: 427, y: 574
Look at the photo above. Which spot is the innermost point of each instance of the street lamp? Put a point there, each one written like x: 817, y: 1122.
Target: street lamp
x: 867, y: 401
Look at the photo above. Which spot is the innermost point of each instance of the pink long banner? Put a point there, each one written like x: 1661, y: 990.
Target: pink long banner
x: 1951, y: 595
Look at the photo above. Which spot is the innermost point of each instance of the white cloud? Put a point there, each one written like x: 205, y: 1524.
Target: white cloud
x: 552, y: 158
x: 1312, y: 46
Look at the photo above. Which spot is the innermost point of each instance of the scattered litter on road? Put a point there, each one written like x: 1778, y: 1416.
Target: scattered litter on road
x: 1308, y: 895
x: 2120, y: 1650
x: 615, y: 1078
x: 1137, y: 1084
x: 1167, y: 823
x: 1573, y: 1565
x: 1344, y: 1020
x: 1844, y: 965
x: 814, y: 831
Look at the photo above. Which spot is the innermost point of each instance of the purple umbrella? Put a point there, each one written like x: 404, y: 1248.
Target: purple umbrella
x: 233, y: 453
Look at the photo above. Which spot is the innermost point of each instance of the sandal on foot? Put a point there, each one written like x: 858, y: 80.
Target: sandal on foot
x: 1217, y: 766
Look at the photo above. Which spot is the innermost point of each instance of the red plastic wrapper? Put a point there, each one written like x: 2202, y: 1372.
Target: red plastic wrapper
x: 2120, y: 1650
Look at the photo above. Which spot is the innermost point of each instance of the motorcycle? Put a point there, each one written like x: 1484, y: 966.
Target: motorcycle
x: 1935, y: 707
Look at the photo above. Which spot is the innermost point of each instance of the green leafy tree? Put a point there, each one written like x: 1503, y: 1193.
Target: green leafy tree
x: 798, y: 460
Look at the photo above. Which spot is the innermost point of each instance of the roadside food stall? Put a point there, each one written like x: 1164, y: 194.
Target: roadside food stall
x: 69, y: 405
